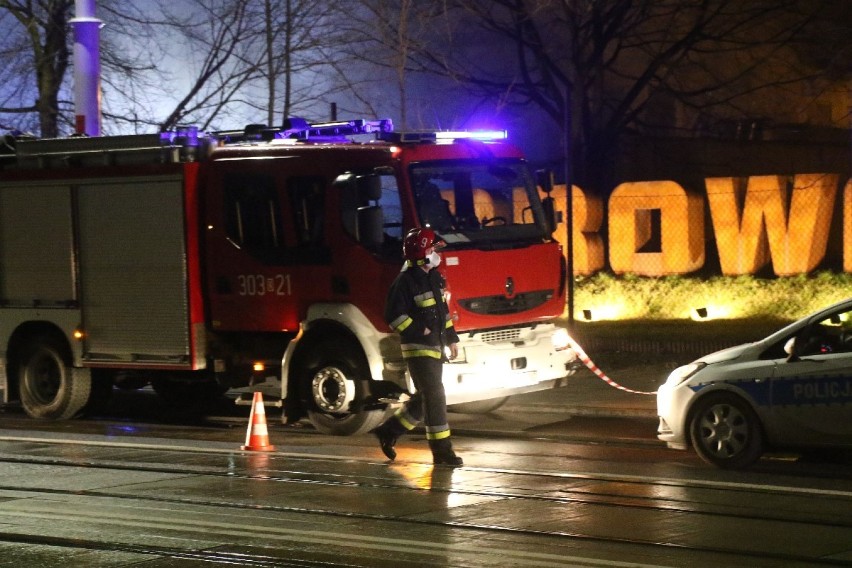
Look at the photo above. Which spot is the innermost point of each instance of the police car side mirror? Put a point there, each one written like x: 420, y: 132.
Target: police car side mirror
x: 790, y: 348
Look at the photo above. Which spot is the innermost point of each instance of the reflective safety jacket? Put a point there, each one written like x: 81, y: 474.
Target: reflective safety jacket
x: 415, y: 304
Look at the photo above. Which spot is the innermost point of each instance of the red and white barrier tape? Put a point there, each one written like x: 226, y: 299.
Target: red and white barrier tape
x: 601, y: 375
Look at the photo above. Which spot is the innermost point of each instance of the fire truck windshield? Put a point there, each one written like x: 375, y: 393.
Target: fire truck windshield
x: 478, y: 202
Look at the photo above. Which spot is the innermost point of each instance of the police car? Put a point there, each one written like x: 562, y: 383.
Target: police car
x: 791, y: 390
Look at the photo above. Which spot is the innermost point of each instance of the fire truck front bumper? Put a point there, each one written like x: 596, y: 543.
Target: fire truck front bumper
x: 505, y: 362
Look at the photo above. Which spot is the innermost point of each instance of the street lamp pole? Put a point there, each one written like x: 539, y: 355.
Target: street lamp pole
x: 87, y: 68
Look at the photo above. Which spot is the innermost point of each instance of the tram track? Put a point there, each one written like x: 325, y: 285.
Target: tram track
x: 210, y: 557
x: 334, y: 538
x: 601, y: 498
x: 610, y: 493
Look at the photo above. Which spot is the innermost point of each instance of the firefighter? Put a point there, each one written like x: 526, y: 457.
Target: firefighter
x: 416, y: 309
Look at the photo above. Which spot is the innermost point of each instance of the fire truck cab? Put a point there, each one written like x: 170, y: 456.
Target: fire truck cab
x: 259, y: 259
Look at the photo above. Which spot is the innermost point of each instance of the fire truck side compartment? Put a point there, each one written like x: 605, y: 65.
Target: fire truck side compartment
x: 133, y: 277
x: 114, y: 248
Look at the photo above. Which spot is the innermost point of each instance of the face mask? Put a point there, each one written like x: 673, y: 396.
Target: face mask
x: 434, y: 259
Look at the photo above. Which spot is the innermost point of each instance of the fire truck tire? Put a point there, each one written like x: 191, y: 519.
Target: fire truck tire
x: 348, y: 425
x: 333, y: 378
x: 48, y: 386
x: 478, y: 407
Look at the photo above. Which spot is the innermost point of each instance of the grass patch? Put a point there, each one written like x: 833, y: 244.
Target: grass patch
x: 741, y: 310
x: 626, y: 298
x: 730, y: 331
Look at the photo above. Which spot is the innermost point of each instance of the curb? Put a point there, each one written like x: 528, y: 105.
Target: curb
x: 590, y: 410
x: 557, y: 437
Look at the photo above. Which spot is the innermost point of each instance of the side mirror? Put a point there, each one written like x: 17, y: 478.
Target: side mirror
x: 369, y: 226
x: 790, y: 348
x: 369, y: 188
x: 544, y: 178
x: 551, y: 216
x: 362, y: 217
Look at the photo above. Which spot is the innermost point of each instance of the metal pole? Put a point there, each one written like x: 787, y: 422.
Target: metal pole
x: 569, y: 203
x: 87, y: 68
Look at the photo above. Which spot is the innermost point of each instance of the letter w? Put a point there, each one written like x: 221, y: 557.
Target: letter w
x: 790, y: 226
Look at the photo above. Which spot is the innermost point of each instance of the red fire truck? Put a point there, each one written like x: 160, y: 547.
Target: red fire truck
x: 260, y: 258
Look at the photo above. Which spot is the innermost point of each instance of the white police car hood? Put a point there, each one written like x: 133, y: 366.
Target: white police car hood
x: 727, y: 354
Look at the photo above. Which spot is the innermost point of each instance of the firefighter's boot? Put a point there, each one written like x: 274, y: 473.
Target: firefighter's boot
x: 388, y: 433
x: 443, y: 454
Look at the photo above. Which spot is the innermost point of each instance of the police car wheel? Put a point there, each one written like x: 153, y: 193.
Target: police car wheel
x: 725, y: 431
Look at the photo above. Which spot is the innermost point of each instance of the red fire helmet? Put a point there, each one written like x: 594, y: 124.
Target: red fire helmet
x: 418, y: 241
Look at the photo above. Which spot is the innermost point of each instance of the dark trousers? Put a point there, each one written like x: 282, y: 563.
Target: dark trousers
x: 429, y: 403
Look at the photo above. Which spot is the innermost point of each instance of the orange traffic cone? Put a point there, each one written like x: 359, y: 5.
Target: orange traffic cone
x: 257, y: 436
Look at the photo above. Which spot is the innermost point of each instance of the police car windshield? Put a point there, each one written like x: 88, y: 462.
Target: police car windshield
x: 480, y: 203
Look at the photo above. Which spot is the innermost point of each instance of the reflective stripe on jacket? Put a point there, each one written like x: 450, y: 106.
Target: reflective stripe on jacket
x: 415, y: 303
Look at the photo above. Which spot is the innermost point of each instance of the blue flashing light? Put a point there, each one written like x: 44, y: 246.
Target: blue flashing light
x: 473, y: 135
x: 182, y: 135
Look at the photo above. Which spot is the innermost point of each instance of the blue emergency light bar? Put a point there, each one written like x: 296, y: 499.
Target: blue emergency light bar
x: 300, y: 129
x: 472, y: 135
x: 421, y: 136
x: 338, y: 131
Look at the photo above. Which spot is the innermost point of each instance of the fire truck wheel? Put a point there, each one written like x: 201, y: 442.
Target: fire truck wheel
x: 48, y: 386
x: 334, y: 378
x: 478, y: 407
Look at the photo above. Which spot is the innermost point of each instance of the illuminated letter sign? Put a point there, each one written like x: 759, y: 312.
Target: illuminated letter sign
x: 681, y: 229
x: 847, y: 227
x: 588, y: 218
x: 746, y: 239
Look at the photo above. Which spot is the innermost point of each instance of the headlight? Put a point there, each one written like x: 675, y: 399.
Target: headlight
x: 681, y: 374
x: 561, y: 340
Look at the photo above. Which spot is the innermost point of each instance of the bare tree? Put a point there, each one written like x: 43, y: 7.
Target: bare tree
x: 386, y: 35
x: 248, y: 59
x: 614, y: 66
x: 42, y: 27
x: 827, y: 43
x: 215, y: 60
x: 131, y: 75
x: 17, y: 81
x: 302, y: 43
x: 35, y: 52
x: 193, y: 61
